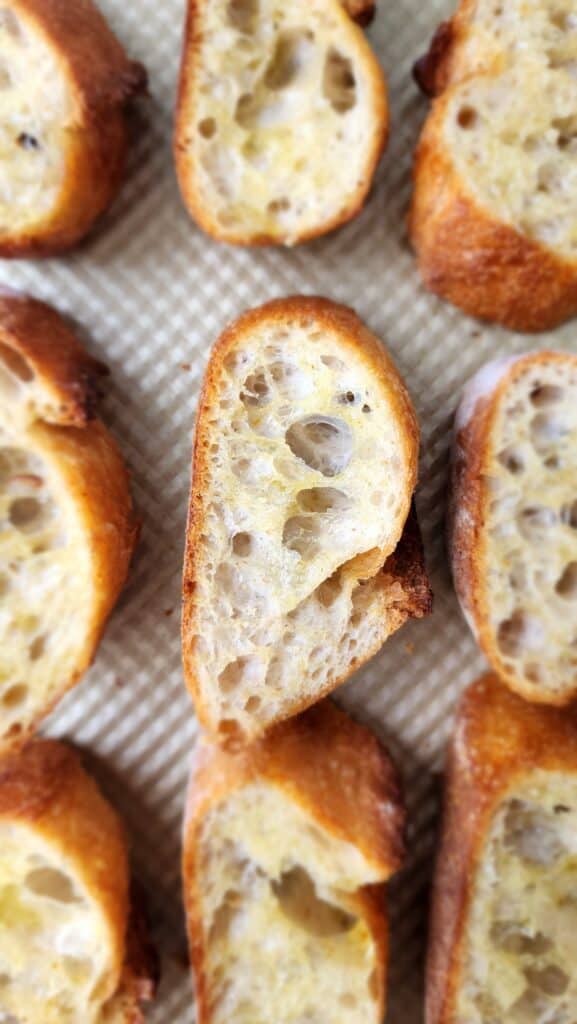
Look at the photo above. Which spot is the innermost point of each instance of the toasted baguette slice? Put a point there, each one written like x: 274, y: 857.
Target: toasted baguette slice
x: 493, y: 218
x: 68, y: 526
x: 305, y: 462
x: 502, y: 940
x: 282, y: 118
x: 287, y: 846
x: 513, y: 521
x: 66, y: 953
x: 65, y: 81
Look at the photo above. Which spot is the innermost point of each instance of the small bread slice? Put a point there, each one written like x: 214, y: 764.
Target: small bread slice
x: 66, y: 953
x: 282, y: 118
x: 513, y: 520
x: 305, y: 463
x: 287, y: 847
x: 68, y: 527
x: 493, y: 217
x: 502, y: 937
x: 64, y: 84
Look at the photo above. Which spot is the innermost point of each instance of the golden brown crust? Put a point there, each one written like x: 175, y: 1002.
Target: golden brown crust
x: 102, y: 79
x: 499, y: 739
x: 482, y: 265
x: 358, y: 11
x: 406, y: 567
x: 468, y: 510
x: 333, y: 769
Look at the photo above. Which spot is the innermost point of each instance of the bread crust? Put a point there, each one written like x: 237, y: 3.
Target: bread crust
x: 484, y: 764
x: 352, y: 11
x: 336, y: 771
x: 82, y: 454
x: 406, y: 566
x: 468, y: 509
x: 465, y: 255
x: 102, y: 80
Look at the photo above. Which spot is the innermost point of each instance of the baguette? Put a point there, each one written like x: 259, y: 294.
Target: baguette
x: 282, y: 118
x: 64, y: 84
x: 492, y: 218
x: 287, y: 848
x: 502, y: 940
x: 66, y: 953
x: 305, y: 463
x: 513, y: 520
x: 68, y: 527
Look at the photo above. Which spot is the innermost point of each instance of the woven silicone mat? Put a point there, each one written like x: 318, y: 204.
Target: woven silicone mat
x: 152, y: 294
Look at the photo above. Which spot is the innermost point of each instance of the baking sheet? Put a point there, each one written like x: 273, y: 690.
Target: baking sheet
x: 152, y: 294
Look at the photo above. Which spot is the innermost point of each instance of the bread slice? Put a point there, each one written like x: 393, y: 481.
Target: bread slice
x: 287, y: 846
x: 68, y: 527
x: 282, y: 118
x: 65, y: 952
x: 514, y: 520
x: 502, y: 940
x: 64, y: 84
x: 305, y: 463
x: 493, y: 217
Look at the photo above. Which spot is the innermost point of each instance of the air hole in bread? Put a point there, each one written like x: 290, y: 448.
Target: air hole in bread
x: 224, y: 916
x: 292, y: 52
x: 281, y: 205
x: 15, y: 364
x: 256, y: 390
x: 510, y: 936
x: 534, y: 521
x: 519, y: 634
x: 79, y: 969
x: 242, y: 544
x: 252, y: 705
x: 467, y: 118
x: 567, y: 584
x: 242, y: 13
x: 51, y: 884
x: 332, y: 362
x: 207, y: 128
x: 298, y: 900
x: 37, y: 648
x: 238, y: 673
x: 512, y: 459
x: 329, y: 591
x: 536, y: 673
x: 28, y: 514
x: 547, y: 394
x: 230, y: 731
x: 569, y: 515
x: 550, y: 979
x: 15, y: 697
x: 349, y: 398
x: 28, y: 142
x: 348, y: 1000
x: 566, y: 21
x: 339, y: 83
x: 4, y: 584
x: 9, y: 23
x: 547, y: 431
x: 301, y: 534
x: 324, y: 499
x: 531, y: 835
x: 553, y: 462
x: 324, y: 443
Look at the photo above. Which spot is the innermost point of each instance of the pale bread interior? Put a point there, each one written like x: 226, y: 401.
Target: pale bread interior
x: 46, y: 578
x: 511, y: 122
x: 282, y: 116
x: 55, y: 944
x: 529, y: 560
x: 37, y: 113
x: 284, y: 936
x: 519, y: 963
x: 308, y: 470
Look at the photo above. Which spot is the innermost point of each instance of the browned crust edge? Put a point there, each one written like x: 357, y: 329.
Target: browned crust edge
x: 364, y: 345
x: 499, y: 739
x: 361, y: 11
x: 465, y: 255
x: 184, y: 119
x: 336, y: 771
x: 468, y: 506
x: 103, y: 80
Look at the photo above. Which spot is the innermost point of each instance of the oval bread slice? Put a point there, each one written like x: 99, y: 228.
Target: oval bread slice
x: 287, y: 847
x: 493, y: 217
x: 514, y: 520
x: 64, y: 84
x: 65, y: 952
x: 502, y: 937
x: 305, y: 463
x: 282, y: 118
x: 67, y: 524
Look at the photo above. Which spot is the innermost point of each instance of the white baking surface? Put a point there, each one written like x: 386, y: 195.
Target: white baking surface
x: 152, y: 294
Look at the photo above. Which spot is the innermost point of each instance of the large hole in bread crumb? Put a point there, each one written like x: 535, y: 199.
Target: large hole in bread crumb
x: 207, y: 128
x: 550, y: 979
x: 329, y: 591
x: 256, y: 390
x: 547, y: 431
x: 52, y: 884
x: 567, y: 584
x: 238, y: 673
x: 324, y: 443
x: 546, y: 394
x: 242, y: 14
x: 569, y: 515
x: 533, y: 522
x: 512, y: 938
x: 242, y: 544
x: 324, y: 499
x: 302, y: 534
x: 15, y: 697
x: 339, y: 84
x: 512, y: 459
x: 292, y: 53
x: 520, y: 634
x: 224, y: 916
x: 531, y: 835
x: 298, y: 900
x: 29, y: 515
x: 467, y: 118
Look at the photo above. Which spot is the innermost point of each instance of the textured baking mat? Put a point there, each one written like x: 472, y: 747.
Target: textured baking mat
x: 152, y: 294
